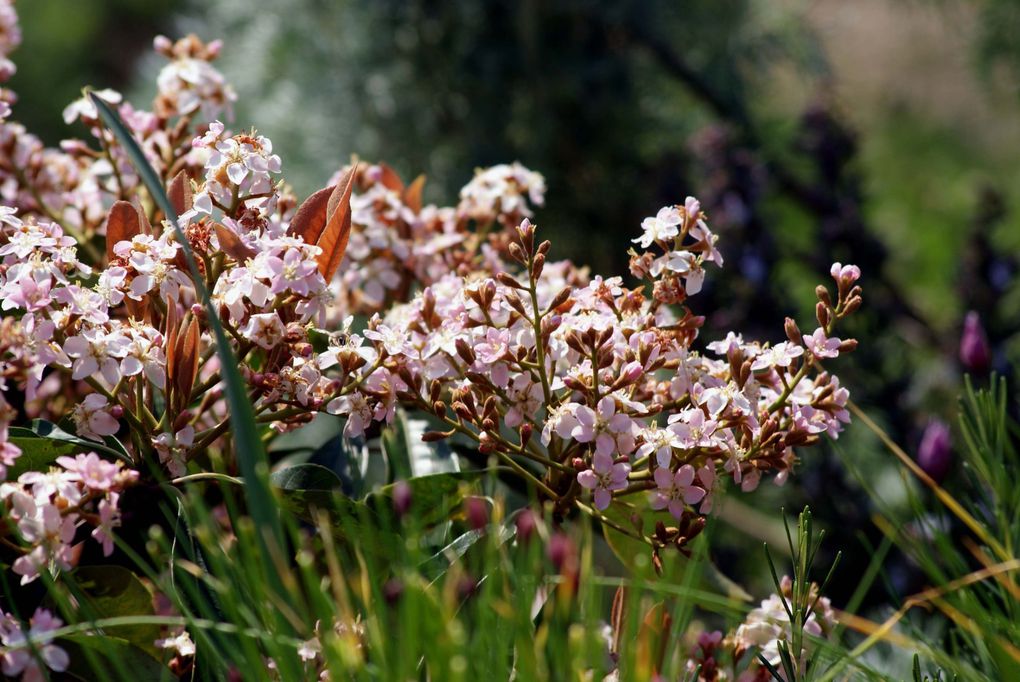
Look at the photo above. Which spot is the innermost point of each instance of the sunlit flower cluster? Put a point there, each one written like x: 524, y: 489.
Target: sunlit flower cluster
x: 358, y: 302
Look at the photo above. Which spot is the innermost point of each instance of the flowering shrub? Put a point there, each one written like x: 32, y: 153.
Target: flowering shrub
x: 360, y: 301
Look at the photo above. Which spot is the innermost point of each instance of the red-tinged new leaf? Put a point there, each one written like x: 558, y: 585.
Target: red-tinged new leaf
x: 121, y: 225
x: 170, y: 329
x: 413, y: 194
x: 310, y: 219
x: 187, y: 363
x: 179, y: 193
x: 232, y: 245
x: 390, y: 179
x: 333, y: 240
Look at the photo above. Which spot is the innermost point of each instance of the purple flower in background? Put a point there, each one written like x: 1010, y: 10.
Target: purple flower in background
x: 975, y: 354
x: 934, y: 455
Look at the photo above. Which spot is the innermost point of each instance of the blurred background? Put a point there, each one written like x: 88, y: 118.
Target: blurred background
x: 880, y: 132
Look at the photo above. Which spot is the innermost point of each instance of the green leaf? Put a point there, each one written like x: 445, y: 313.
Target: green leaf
x: 98, y: 657
x: 434, y: 498
x: 115, y: 591
x: 37, y: 454
x: 40, y: 428
x: 251, y: 454
x: 1009, y: 667
x: 409, y: 455
x: 306, y: 477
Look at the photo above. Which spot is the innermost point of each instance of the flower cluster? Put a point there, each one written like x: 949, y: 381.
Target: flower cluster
x: 716, y: 657
x: 399, y: 245
x: 595, y: 390
x: 47, y: 508
x: 16, y: 653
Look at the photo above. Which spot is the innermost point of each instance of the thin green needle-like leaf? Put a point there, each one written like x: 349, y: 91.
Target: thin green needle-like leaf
x: 251, y: 454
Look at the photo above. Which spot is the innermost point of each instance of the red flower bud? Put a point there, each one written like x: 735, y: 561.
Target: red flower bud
x: 975, y: 354
x: 934, y: 455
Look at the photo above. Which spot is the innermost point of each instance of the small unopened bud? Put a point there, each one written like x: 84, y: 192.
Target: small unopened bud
x: 792, y: 331
x: 526, y: 430
x: 822, y: 314
x: 392, y: 590
x: 179, y: 423
x: 477, y: 513
x: 526, y: 524
x: 578, y: 464
x: 116, y: 412
x: 465, y: 351
x: 934, y: 455
x: 848, y: 345
x: 401, y: 497
x: 561, y: 298
x: 508, y: 280
x: 433, y: 436
x: 517, y: 253
x: 975, y: 354
x: 559, y: 550
x: 439, y: 409
x: 823, y: 295
x: 537, y: 265
x: 544, y: 247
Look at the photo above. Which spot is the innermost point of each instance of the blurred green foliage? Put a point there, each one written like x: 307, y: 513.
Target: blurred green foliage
x: 67, y: 45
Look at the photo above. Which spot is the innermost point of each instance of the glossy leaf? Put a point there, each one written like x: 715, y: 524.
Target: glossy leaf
x: 113, y: 591
x: 121, y: 225
x: 333, y: 240
x: 114, y: 658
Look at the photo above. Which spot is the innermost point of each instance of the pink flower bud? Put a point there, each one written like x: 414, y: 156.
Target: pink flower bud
x: 526, y: 525
x: 401, y: 497
x: 476, y: 512
x: 975, y: 355
x: 934, y: 455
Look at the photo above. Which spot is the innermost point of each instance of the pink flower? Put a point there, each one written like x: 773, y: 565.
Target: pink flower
x: 95, y: 351
x: 266, y: 330
x: 676, y: 490
x: 604, y: 477
x: 26, y: 293
x: 92, y: 418
x: 780, y: 355
x: 294, y: 271
x: 822, y: 346
x: 845, y: 274
x: 612, y: 431
x: 93, y: 472
x: 661, y: 228
x: 19, y: 659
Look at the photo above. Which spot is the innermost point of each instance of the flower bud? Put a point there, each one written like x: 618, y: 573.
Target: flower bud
x: 823, y: 295
x: 401, y: 497
x: 525, y: 430
x: 934, y: 455
x: 975, y: 354
x: 508, y: 280
x: 526, y: 524
x: 476, y: 512
x: 116, y: 412
x: 822, y: 314
x: 792, y: 331
x: 517, y: 253
x: 559, y: 550
x: 392, y: 590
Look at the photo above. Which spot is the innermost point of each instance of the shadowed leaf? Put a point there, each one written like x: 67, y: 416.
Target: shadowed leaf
x: 232, y: 245
x: 310, y: 219
x: 121, y: 225
x: 179, y: 192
